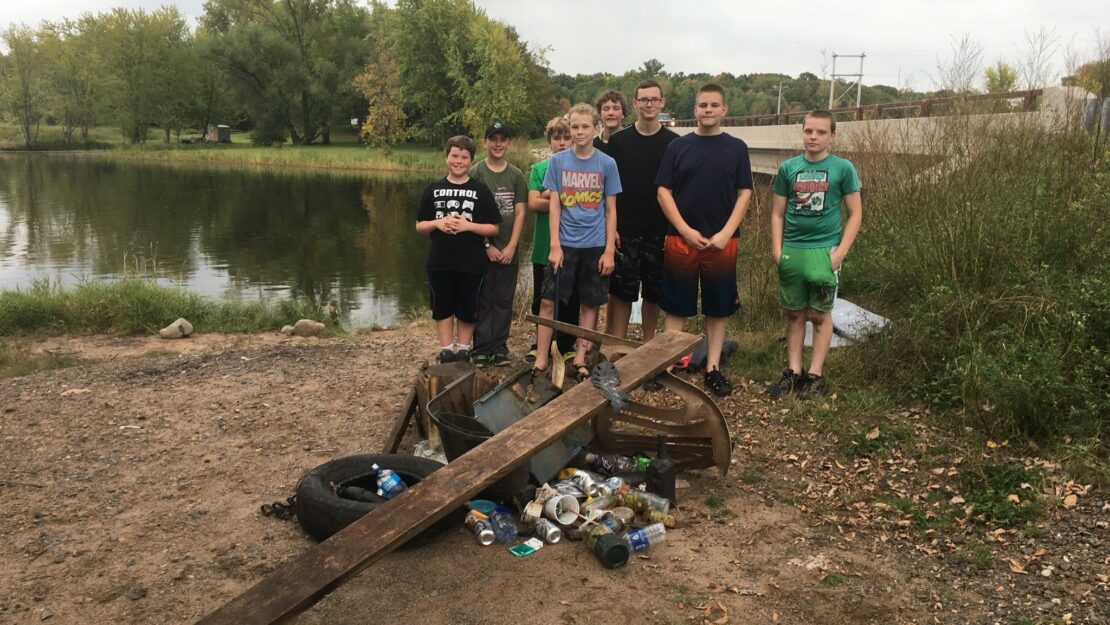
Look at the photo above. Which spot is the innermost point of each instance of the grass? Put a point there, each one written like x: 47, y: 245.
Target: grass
x: 135, y: 305
x: 345, y: 153
x: 715, y: 502
x: 990, y: 485
x: 975, y: 553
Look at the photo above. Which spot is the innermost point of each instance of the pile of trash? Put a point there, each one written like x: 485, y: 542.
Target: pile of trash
x: 614, y: 506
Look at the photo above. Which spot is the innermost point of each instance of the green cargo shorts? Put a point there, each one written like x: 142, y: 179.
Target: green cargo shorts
x: 807, y: 279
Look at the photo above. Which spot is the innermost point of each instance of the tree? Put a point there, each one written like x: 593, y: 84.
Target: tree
x: 291, y: 62
x: 385, y: 119
x: 22, y: 87
x: 652, y: 68
x: 1001, y: 78
x: 76, y: 75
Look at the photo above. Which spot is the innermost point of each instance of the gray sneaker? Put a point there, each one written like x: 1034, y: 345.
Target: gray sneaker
x: 463, y: 355
x: 812, y: 386
x: 787, y: 384
x: 499, y: 360
x: 446, y: 355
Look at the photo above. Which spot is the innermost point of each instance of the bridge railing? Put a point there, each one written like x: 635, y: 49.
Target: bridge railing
x: 910, y: 108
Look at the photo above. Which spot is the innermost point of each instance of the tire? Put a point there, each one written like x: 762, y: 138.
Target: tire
x: 322, y: 512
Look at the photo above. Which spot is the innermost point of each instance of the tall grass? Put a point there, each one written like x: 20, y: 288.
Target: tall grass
x: 135, y: 305
x: 991, y: 252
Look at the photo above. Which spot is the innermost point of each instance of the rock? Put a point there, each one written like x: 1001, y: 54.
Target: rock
x: 137, y: 593
x: 46, y: 615
x: 58, y: 559
x: 177, y: 330
x: 305, y: 327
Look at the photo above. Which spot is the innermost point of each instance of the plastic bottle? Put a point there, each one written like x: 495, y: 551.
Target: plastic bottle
x: 653, y: 516
x: 389, y: 483
x: 597, y: 503
x: 661, y: 472
x: 504, y: 526
x: 647, y: 536
x: 612, y: 521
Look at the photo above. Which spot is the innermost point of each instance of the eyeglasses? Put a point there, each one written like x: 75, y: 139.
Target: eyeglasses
x: 649, y: 100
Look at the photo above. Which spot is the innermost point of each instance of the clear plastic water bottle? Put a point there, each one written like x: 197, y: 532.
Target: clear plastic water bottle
x: 647, y: 536
x: 389, y: 483
x: 504, y: 526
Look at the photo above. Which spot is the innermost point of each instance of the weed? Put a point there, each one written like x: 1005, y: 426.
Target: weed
x: 990, y: 485
x: 833, y: 579
x: 715, y: 501
x: 975, y: 553
x: 878, y: 441
x: 751, y: 477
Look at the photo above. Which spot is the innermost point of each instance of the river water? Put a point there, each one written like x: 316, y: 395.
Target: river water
x: 226, y: 233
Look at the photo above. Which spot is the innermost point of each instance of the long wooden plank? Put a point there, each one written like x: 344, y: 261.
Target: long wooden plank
x: 590, y: 335
x: 300, y: 582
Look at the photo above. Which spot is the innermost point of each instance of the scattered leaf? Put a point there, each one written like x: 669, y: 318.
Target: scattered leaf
x: 1014, y: 499
x: 992, y: 445
x: 1016, y: 567
x: 957, y: 500
x: 873, y: 434
x: 1070, y: 501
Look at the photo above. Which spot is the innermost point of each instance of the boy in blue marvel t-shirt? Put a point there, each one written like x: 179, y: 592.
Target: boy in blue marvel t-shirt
x: 808, y: 245
x: 583, y: 220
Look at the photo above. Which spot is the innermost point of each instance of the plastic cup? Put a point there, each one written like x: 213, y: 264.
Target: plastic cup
x: 562, y: 509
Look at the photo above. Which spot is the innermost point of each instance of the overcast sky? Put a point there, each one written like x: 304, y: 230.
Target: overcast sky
x: 903, y: 39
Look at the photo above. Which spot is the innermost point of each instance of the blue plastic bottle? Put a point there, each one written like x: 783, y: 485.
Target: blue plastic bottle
x: 504, y: 526
x: 389, y: 483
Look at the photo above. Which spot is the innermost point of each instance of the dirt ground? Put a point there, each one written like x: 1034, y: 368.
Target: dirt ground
x: 131, y: 489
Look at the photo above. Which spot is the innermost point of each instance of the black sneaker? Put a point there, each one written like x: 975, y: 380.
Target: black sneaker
x: 717, y: 383
x: 463, y: 355
x: 446, y: 355
x: 787, y: 384
x: 499, y: 360
x: 812, y: 386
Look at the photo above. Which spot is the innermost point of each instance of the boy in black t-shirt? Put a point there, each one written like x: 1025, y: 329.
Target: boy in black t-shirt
x: 457, y: 213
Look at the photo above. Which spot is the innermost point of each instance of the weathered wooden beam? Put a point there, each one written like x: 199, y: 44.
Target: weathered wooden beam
x: 404, y: 417
x: 301, y: 581
x: 590, y: 335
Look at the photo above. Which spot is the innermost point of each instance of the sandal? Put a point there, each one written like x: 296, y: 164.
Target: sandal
x: 581, y: 371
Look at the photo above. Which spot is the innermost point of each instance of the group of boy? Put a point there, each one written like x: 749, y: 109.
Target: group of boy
x: 630, y: 212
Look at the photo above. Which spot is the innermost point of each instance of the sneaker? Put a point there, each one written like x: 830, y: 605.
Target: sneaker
x: 569, y: 356
x: 446, y: 355
x: 480, y: 360
x: 499, y: 360
x: 812, y: 386
x: 530, y: 357
x: 717, y: 383
x: 787, y: 384
x: 463, y: 355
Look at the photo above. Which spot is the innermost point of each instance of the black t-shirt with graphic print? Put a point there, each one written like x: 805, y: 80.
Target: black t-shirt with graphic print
x: 465, y: 251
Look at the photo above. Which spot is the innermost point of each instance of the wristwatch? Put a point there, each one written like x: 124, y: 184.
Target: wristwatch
x: 488, y: 245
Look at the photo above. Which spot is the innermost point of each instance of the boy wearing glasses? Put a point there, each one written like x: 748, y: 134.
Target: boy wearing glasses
x: 641, y: 226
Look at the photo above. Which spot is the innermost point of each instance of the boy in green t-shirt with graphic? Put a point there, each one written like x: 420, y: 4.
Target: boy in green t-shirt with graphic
x: 808, y: 244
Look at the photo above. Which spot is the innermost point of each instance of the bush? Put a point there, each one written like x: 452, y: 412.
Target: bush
x: 995, y: 264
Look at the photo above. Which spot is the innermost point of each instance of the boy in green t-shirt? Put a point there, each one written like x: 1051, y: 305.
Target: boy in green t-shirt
x: 539, y: 202
x: 808, y: 244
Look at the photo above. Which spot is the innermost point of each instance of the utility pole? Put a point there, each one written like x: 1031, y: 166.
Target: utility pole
x: 778, y: 106
x: 858, y: 84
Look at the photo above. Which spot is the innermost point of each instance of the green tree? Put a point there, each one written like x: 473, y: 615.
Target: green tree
x: 145, y: 55
x: 76, y: 74
x: 291, y: 62
x: 385, y: 119
x: 1000, y: 78
x: 22, y: 86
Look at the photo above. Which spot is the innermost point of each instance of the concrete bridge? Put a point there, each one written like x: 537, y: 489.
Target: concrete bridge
x: 772, y: 139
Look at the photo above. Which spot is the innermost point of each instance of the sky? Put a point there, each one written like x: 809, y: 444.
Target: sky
x: 904, y: 40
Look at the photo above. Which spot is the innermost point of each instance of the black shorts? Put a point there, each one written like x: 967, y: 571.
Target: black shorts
x: 455, y: 294
x: 579, y: 272
x: 639, y: 261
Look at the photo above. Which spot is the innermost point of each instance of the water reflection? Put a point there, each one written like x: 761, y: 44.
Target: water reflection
x: 225, y: 233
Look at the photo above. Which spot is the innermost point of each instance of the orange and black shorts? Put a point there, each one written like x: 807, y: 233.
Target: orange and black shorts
x: 686, y: 268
